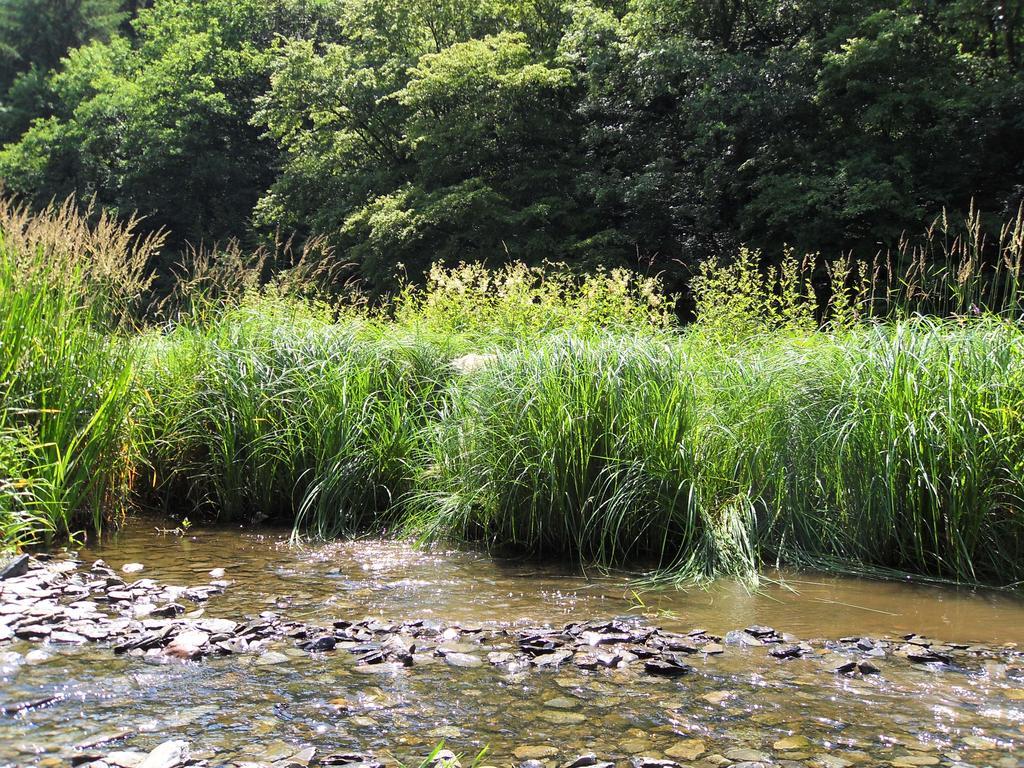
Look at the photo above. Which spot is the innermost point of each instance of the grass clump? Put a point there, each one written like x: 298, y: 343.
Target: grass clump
x: 277, y: 410
x: 570, y: 446
x: 750, y: 438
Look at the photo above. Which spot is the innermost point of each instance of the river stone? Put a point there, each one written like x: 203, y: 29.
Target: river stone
x: 689, y: 749
x: 217, y: 573
x: 125, y: 758
x: 33, y: 632
x: 132, y: 568
x: 651, y: 762
x: 667, y: 667
x: 271, y: 657
x: 168, y: 755
x: 830, y: 761
x: 748, y: 756
x: 537, y: 752
x: 276, y: 750
x: 717, y: 697
x: 14, y: 567
x: 463, y: 660
x: 562, y: 702
x: 103, y: 738
x: 634, y: 746
x: 583, y: 761
x: 62, y: 636
x: 909, y: 761
x: 445, y: 758
x: 792, y: 742
x: 979, y: 742
x: 452, y: 647
x: 559, y: 717
x: 300, y: 759
x: 36, y: 657
x: 320, y: 644
x: 553, y: 659
x: 187, y: 645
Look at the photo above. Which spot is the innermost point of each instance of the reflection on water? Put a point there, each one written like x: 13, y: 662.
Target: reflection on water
x: 740, y: 701
x: 395, y: 580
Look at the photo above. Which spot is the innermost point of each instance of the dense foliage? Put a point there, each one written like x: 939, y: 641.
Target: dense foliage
x: 648, y: 133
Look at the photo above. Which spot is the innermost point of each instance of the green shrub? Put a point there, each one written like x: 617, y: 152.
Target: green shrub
x: 488, y: 309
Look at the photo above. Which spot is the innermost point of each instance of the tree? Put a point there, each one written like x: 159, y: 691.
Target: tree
x: 39, y: 33
x: 163, y: 126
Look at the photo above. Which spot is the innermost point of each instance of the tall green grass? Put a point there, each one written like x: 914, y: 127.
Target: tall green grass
x: 275, y: 410
x: 896, y: 446
x: 809, y: 416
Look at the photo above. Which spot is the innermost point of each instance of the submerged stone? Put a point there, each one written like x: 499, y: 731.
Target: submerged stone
x: 689, y: 749
x: 748, y: 755
x: 791, y: 743
x: 534, y: 752
x: 463, y: 660
x: 270, y: 658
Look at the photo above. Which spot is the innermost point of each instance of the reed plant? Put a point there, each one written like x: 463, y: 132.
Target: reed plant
x: 68, y: 288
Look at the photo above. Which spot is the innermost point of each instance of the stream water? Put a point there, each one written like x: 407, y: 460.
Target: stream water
x: 741, y: 706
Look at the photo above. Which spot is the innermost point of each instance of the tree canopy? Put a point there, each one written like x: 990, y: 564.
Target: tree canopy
x: 650, y: 133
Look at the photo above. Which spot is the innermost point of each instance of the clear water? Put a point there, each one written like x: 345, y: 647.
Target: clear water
x: 233, y: 709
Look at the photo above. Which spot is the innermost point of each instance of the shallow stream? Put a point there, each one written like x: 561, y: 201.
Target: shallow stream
x: 742, y: 706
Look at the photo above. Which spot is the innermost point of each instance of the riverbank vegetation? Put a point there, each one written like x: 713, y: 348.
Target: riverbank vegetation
x: 629, y: 281
x: 810, y: 415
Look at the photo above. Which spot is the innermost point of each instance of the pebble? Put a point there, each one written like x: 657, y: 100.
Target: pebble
x: 132, y: 568
x: 97, y: 607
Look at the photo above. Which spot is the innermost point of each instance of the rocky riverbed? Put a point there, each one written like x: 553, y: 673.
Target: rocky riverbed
x: 66, y: 601
x: 551, y: 693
